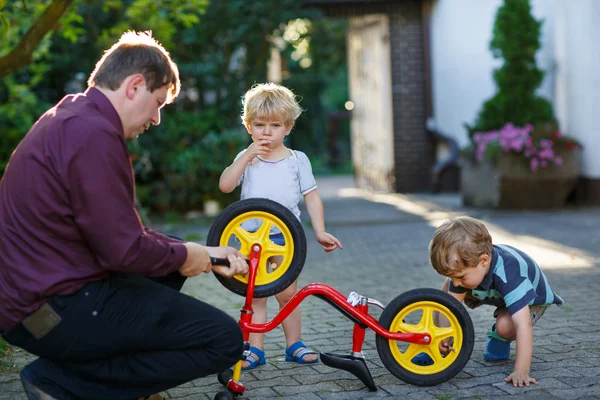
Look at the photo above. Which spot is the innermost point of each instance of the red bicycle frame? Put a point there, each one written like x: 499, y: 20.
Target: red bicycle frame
x: 358, y: 313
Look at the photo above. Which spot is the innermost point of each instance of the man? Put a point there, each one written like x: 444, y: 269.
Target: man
x: 75, y: 258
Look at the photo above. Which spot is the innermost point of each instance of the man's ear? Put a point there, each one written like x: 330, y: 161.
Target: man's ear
x: 247, y: 125
x: 133, y: 85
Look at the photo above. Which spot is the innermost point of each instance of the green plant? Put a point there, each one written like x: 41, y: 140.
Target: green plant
x: 6, y: 358
x: 3, y: 346
x: 179, y: 163
x: 516, y: 40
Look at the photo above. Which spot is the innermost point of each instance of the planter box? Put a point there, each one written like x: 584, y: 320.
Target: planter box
x: 510, y: 184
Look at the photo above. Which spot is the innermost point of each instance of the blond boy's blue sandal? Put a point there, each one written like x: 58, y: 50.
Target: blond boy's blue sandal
x: 253, y: 361
x: 300, y: 351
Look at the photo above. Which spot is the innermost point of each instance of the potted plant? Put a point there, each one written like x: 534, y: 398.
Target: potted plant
x: 520, y: 167
x: 517, y: 156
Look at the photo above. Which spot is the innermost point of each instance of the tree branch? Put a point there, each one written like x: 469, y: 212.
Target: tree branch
x: 22, y: 54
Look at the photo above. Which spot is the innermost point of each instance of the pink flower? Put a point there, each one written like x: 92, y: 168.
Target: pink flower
x: 540, y: 151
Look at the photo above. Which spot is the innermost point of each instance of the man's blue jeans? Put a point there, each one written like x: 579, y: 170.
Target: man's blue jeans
x: 128, y: 337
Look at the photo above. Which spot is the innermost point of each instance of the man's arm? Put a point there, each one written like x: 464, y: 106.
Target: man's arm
x: 100, y: 182
x: 524, y: 341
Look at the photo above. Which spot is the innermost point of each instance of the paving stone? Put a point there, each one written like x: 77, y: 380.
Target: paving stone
x: 384, y: 255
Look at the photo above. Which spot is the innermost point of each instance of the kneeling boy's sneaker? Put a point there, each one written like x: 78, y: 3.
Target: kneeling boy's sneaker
x: 497, y: 348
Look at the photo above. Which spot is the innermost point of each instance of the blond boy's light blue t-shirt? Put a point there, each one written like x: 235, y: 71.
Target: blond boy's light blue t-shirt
x: 283, y: 181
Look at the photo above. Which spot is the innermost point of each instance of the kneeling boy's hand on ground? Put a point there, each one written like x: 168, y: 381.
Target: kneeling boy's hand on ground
x: 519, y: 379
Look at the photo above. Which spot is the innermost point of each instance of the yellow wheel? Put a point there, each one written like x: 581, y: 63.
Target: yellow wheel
x: 441, y: 316
x: 276, y: 229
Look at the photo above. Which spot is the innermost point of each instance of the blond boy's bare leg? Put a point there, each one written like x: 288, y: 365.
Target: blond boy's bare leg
x: 259, y: 306
x: 292, y: 325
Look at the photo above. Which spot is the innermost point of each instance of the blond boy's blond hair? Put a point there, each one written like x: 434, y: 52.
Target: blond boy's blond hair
x: 459, y: 243
x: 270, y: 101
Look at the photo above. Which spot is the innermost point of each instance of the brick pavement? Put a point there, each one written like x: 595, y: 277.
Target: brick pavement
x: 385, y: 241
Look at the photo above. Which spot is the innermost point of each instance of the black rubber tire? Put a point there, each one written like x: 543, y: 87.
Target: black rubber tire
x: 430, y: 295
x: 225, y: 376
x: 224, y: 395
x: 288, y: 219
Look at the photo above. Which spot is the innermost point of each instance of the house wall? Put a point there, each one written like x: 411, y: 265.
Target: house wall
x: 411, y: 144
x: 577, y: 97
x: 462, y: 67
x: 462, y: 64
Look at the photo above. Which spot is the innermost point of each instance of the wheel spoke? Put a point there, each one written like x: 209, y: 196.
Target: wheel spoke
x: 413, y: 350
x: 426, y: 324
x: 245, y: 238
x: 408, y: 328
x: 443, y: 333
x: 263, y: 232
x: 273, y: 249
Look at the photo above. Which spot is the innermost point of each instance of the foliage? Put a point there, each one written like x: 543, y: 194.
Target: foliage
x: 222, y: 49
x: 316, y: 69
x: 177, y: 163
x: 516, y: 40
x: 75, y: 45
x: 18, y: 111
x: 540, y: 146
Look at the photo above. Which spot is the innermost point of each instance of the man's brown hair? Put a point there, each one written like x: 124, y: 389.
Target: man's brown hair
x: 458, y: 243
x: 137, y: 53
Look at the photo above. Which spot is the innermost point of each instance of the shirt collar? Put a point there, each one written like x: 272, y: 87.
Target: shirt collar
x: 489, y: 277
x: 105, y: 107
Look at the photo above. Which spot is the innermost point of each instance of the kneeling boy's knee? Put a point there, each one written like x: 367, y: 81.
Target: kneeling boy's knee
x: 505, y: 326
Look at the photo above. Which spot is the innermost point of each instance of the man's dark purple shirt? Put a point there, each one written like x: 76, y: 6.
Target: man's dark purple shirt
x: 67, y: 210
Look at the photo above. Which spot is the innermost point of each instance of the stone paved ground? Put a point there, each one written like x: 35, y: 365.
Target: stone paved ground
x: 385, y: 240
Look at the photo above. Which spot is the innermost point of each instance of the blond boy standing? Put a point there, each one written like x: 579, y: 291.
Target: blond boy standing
x: 268, y: 169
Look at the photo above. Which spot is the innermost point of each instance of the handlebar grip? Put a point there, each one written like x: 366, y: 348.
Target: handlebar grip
x: 222, y: 261
x: 219, y: 261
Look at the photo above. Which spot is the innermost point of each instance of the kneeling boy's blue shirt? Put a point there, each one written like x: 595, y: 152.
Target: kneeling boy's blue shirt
x: 513, y: 281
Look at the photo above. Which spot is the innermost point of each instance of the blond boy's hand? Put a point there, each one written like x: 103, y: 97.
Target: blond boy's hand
x: 519, y: 379
x: 328, y: 241
x: 259, y: 148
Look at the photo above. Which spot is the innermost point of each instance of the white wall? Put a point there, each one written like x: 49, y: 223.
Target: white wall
x: 577, y: 96
x: 462, y: 63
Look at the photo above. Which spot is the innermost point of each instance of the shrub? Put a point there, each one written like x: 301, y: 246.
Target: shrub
x: 516, y: 40
x: 178, y: 165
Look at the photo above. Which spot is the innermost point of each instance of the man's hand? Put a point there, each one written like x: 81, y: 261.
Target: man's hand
x: 238, y: 264
x: 197, y: 261
x: 328, y: 241
x: 519, y: 379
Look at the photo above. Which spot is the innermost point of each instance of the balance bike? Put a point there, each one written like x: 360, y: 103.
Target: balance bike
x: 406, y: 327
